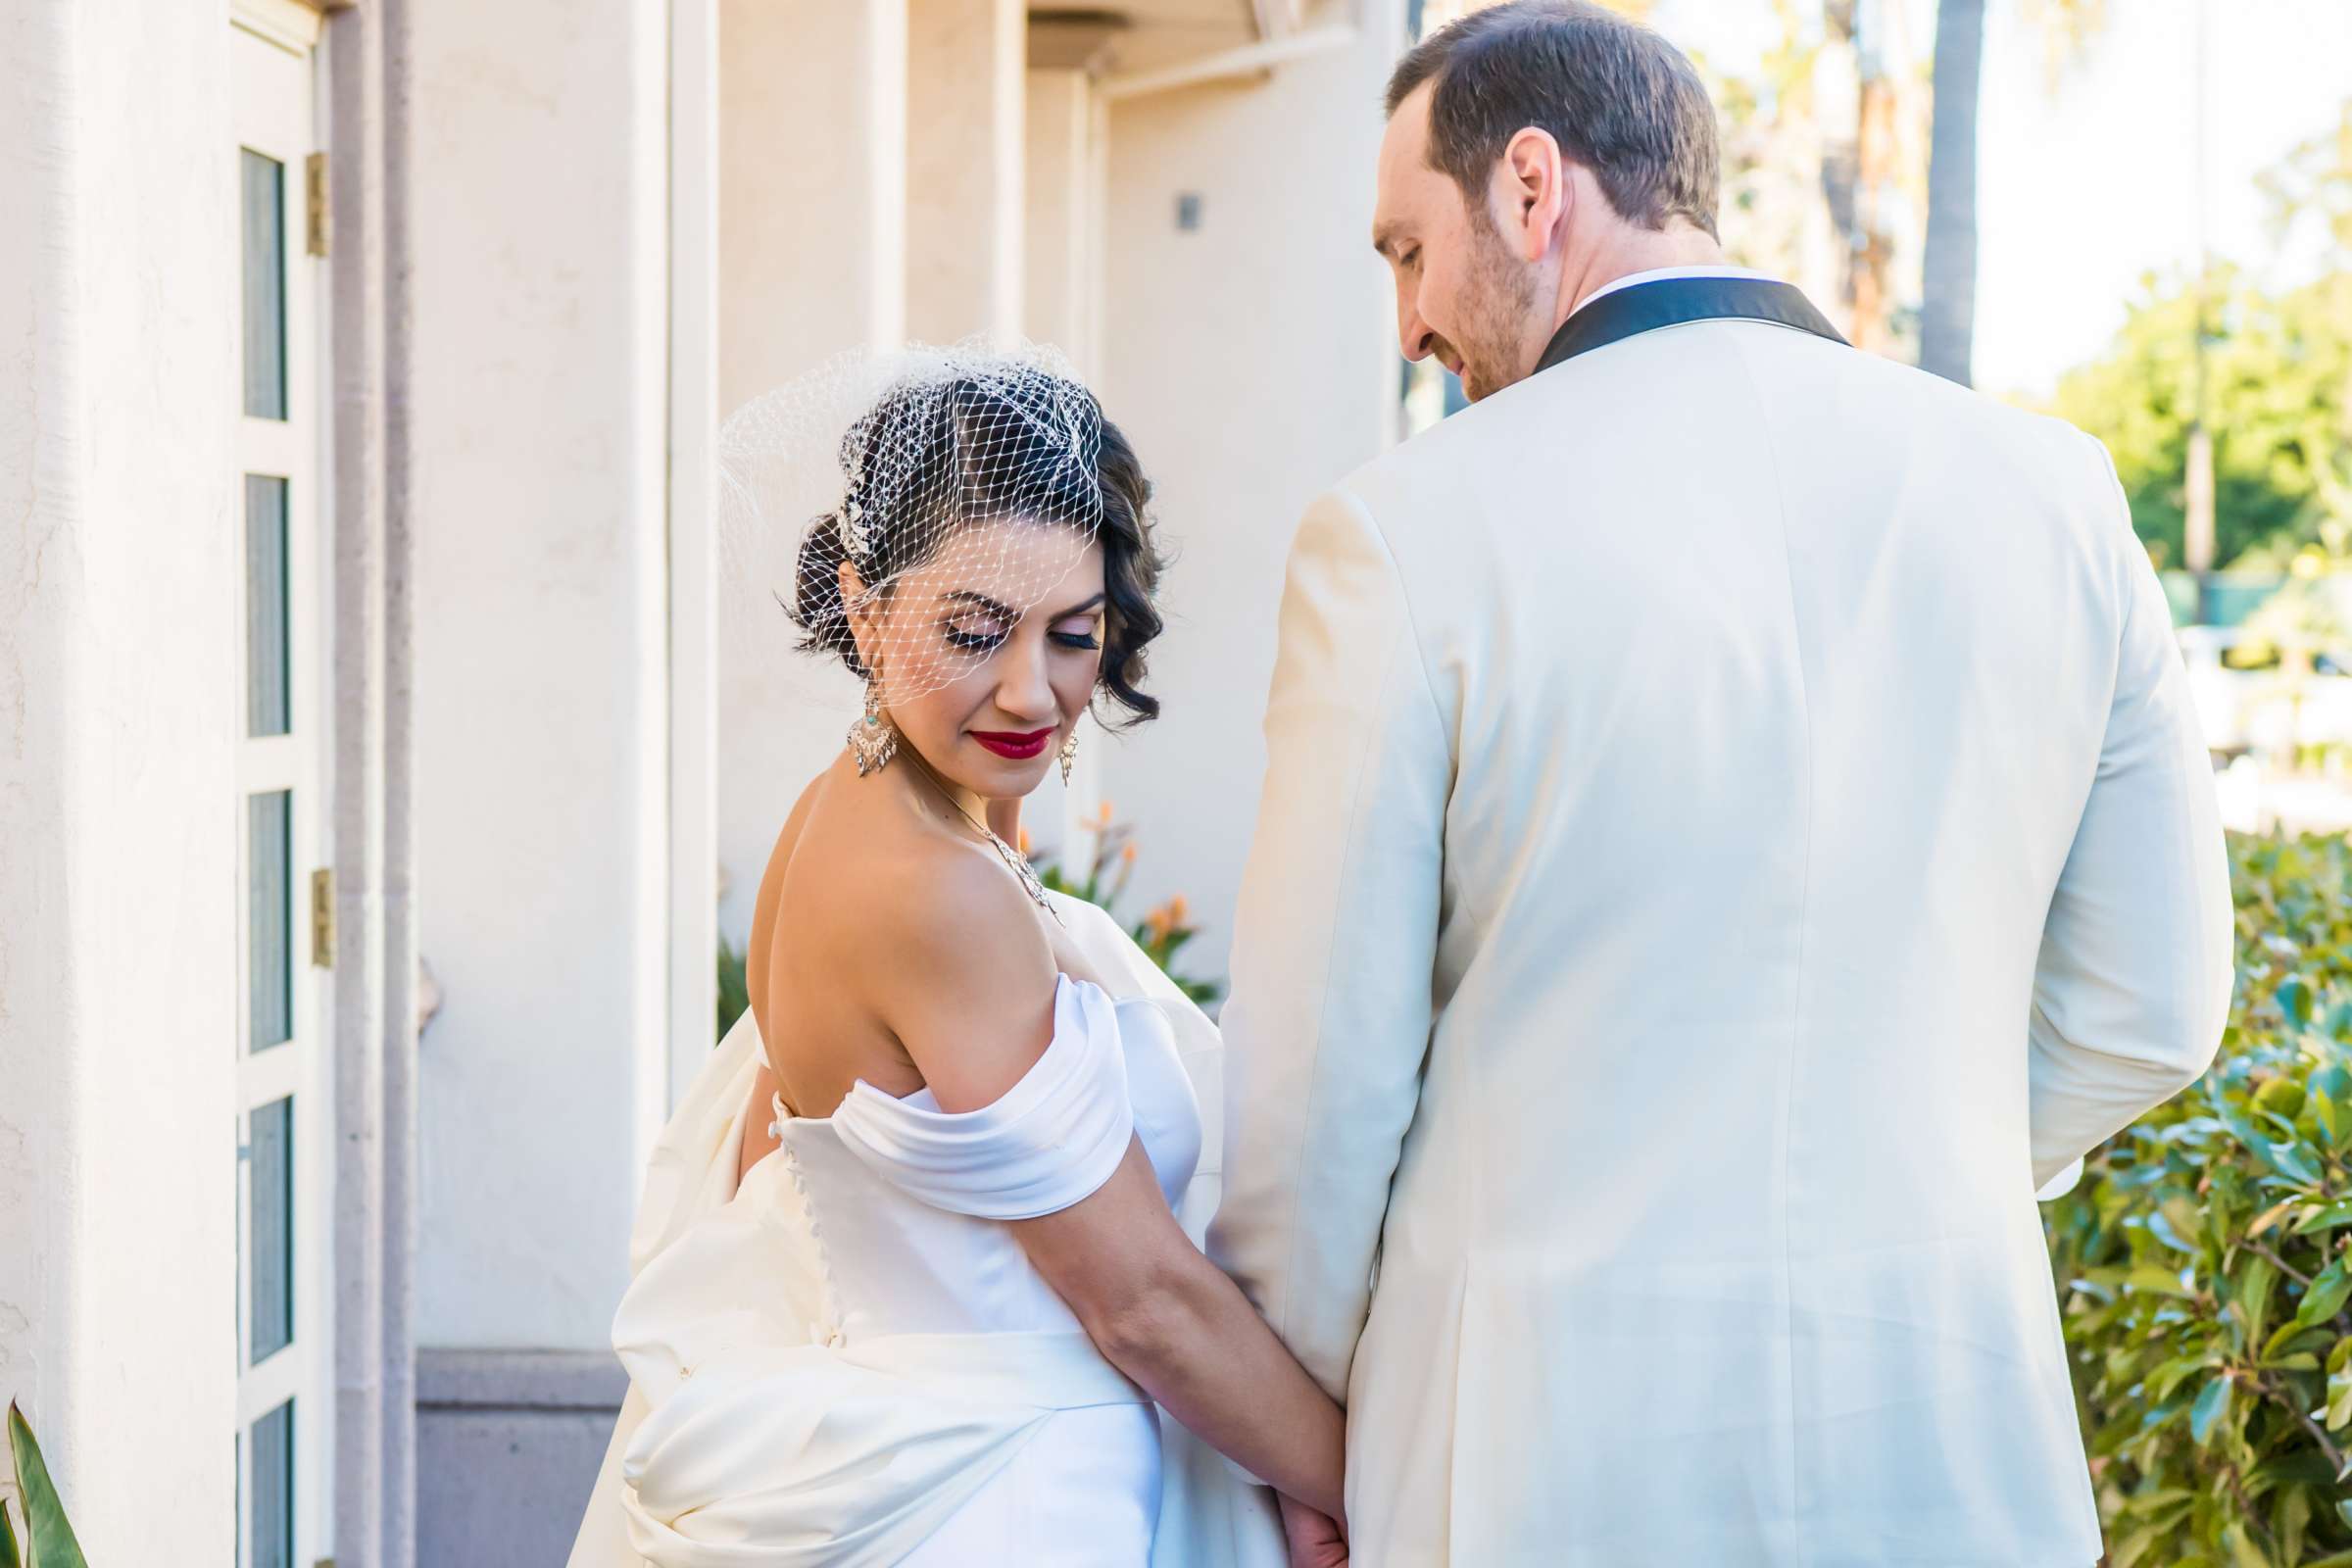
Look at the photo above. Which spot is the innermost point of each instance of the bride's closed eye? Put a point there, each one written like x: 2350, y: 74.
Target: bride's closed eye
x: 1079, y: 632
x: 977, y: 633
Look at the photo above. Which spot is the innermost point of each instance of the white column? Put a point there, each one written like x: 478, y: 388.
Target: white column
x: 812, y: 184
x: 812, y: 261
x: 966, y: 87
x: 538, y: 435
x: 693, y: 554
x: 1061, y: 202
x: 119, y: 706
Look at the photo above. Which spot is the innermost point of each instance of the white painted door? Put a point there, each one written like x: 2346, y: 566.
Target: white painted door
x: 284, y: 1416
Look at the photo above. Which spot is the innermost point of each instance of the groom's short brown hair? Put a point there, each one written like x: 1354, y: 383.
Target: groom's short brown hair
x: 1618, y: 98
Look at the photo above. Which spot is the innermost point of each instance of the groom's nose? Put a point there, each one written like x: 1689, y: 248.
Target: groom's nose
x: 1414, y: 337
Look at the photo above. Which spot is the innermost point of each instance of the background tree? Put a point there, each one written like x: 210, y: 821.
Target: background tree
x: 2278, y: 368
x: 1947, y: 328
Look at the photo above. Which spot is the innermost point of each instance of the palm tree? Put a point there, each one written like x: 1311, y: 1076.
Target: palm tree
x: 1947, y: 324
x: 1947, y: 317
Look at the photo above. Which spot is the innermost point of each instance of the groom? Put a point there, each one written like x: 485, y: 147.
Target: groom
x: 1734, y: 824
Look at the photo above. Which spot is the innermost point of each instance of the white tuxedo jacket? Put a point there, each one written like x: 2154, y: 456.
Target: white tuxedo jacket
x: 1734, y: 824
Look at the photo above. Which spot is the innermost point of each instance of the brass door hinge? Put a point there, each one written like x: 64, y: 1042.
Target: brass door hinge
x: 322, y: 918
x: 314, y: 186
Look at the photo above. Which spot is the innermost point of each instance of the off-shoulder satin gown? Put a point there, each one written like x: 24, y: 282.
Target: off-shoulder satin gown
x: 848, y: 1359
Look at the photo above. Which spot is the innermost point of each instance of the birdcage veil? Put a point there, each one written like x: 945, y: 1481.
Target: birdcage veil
x: 915, y: 467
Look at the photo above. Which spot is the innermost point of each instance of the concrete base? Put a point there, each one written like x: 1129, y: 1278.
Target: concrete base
x: 508, y: 1444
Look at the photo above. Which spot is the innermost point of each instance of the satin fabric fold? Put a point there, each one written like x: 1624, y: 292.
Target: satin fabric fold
x: 793, y: 1456
x: 756, y: 1432
x: 1051, y: 1141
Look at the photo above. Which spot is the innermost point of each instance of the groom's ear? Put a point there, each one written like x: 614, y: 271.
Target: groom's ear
x: 1536, y: 190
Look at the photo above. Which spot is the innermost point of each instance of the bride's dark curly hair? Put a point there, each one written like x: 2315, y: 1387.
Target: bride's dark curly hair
x: 984, y: 448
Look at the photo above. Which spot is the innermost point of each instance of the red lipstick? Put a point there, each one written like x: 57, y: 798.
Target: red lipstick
x: 1016, y: 748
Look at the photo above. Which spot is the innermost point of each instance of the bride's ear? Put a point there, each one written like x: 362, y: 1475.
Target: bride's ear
x: 861, y: 612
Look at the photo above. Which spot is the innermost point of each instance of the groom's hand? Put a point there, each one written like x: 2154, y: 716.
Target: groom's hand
x: 1315, y: 1540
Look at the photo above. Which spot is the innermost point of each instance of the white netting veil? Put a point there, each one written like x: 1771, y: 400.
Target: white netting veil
x: 927, y: 472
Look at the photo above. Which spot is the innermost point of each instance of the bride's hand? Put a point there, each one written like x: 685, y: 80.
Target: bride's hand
x: 1315, y: 1540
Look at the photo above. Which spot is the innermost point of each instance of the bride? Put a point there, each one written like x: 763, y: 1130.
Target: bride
x: 909, y: 1277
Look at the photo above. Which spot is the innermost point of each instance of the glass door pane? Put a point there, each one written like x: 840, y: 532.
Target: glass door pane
x: 274, y: 1489
x: 269, y: 887
x: 265, y: 228
x: 269, y: 630
x: 270, y: 1228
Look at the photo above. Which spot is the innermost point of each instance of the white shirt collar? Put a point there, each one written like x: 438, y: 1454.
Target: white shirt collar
x: 1656, y: 274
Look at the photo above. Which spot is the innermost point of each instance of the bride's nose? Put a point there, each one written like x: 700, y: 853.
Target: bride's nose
x: 1023, y: 689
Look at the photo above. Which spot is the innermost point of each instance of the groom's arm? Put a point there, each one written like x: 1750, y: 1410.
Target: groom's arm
x: 1333, y: 943
x: 2132, y: 986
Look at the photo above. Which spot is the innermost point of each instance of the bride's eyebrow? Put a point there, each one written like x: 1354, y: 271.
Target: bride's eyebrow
x: 975, y: 601
x: 967, y: 598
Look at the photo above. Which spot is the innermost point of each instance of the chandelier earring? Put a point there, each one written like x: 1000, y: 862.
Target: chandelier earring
x: 1069, y: 754
x: 873, y: 740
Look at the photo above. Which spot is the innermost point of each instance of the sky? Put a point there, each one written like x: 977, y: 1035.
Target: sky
x: 2085, y: 186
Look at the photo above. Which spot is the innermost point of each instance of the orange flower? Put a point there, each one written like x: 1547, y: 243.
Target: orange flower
x: 1128, y: 855
x: 1024, y: 846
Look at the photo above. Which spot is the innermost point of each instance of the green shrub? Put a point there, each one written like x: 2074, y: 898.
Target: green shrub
x: 2201, y: 1262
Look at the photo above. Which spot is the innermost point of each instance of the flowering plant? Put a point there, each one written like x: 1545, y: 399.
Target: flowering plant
x: 1162, y: 932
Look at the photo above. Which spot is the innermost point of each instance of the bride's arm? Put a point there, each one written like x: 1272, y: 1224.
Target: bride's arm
x: 1171, y: 1320
x: 963, y: 974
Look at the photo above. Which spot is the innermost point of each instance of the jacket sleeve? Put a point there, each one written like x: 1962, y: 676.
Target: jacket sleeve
x: 2132, y: 984
x: 1334, y: 944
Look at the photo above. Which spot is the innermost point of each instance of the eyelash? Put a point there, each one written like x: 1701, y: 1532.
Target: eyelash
x: 989, y: 642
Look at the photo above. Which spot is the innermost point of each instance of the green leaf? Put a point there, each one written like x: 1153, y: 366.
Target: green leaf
x: 8, y: 1540
x: 2278, y: 1342
x: 2271, y: 1216
x: 2326, y: 1296
x: 2254, y: 1294
x: 2242, y: 1550
x: 2148, y: 1277
x: 47, y: 1534
x: 2175, y: 1224
x: 2327, y: 1218
x: 2292, y: 1520
x: 2211, y: 1407
x: 2133, y: 1547
x: 2290, y: 1161
x: 2294, y: 1001
x: 2339, y: 1410
x: 2167, y: 1377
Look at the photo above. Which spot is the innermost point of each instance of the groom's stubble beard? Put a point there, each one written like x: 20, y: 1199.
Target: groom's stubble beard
x: 1498, y: 311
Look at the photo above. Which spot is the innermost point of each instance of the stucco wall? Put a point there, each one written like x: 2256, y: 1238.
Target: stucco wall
x: 118, y: 708
x: 538, y: 425
x: 812, y: 261
x: 1252, y: 362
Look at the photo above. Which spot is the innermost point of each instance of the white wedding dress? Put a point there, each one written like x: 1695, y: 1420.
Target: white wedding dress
x: 849, y: 1360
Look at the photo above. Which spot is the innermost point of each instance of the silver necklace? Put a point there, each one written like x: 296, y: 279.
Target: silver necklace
x: 1014, y: 861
